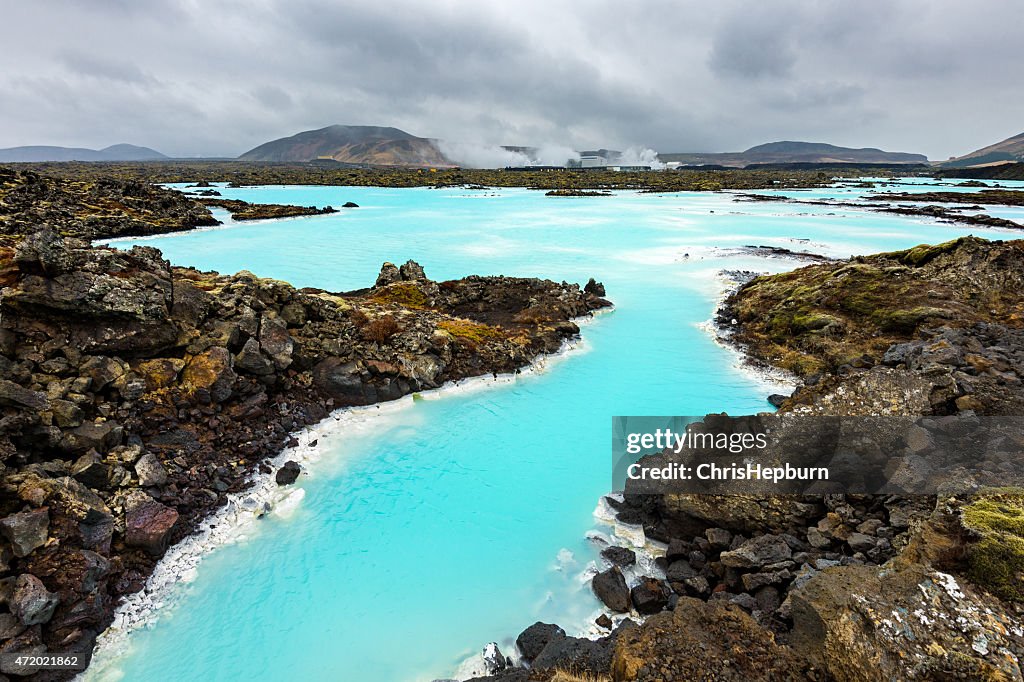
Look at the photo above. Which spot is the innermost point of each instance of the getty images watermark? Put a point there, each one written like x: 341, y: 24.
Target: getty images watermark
x: 796, y: 454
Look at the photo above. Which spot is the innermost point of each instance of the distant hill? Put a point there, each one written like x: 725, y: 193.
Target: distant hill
x: 1010, y: 150
x: 117, y: 152
x: 372, y: 145
x: 797, y: 152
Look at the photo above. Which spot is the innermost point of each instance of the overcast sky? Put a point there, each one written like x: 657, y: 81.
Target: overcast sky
x: 938, y: 77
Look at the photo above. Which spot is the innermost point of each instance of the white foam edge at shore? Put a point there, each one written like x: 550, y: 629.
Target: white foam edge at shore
x: 773, y: 379
x: 230, y: 523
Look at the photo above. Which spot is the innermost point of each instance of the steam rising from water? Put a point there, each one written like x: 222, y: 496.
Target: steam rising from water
x: 471, y: 155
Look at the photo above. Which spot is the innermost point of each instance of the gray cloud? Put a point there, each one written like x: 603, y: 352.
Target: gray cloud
x: 932, y: 76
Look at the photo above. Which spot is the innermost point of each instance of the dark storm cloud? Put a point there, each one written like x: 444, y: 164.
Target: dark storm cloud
x: 189, y: 78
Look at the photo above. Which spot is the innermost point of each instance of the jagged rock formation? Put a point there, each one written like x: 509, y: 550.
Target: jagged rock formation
x: 92, y: 209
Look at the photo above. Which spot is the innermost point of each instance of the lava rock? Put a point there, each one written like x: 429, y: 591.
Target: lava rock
x: 757, y: 552
x: 594, y: 288
x: 26, y: 531
x: 494, y: 660
x: 288, y: 473
x: 678, y: 571
x: 151, y: 471
x: 649, y: 596
x: 533, y: 639
x: 90, y: 470
x: 148, y: 523
x: 619, y: 556
x: 31, y: 602
x: 610, y: 587
x: 719, y: 538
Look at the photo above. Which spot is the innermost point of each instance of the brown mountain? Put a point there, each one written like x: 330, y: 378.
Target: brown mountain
x: 372, y: 145
x: 796, y: 152
x: 1010, y: 150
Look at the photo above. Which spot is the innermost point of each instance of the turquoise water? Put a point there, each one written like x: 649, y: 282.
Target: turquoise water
x: 462, y: 520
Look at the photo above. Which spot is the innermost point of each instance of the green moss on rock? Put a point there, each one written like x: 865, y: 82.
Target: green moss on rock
x: 996, y: 559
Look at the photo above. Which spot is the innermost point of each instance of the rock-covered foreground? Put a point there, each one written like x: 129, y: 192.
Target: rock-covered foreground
x: 134, y: 396
x: 840, y: 587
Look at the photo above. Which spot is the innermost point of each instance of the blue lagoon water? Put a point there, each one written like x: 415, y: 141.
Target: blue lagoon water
x: 452, y: 522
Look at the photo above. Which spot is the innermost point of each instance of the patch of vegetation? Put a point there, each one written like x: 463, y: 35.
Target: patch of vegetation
x: 823, y: 316
x: 996, y: 560
x: 405, y: 294
x: 380, y: 329
x: 468, y: 330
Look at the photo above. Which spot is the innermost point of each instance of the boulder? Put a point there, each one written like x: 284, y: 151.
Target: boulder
x: 90, y: 470
x: 533, y: 639
x: 341, y: 380
x: 619, y: 556
x: 389, y: 274
x: 719, y: 538
x: 103, y: 370
x: 148, y: 523
x: 98, y: 436
x: 494, y: 660
x: 859, y: 542
x: 610, y: 587
x: 251, y: 360
x: 13, y: 395
x: 151, y: 471
x: 160, y: 373
x: 583, y: 656
x: 212, y: 371
x: 43, y: 252
x: 31, y: 602
x: 757, y: 552
x: 288, y: 473
x: 26, y: 531
x: 412, y: 271
x: 848, y: 621
x: 275, y: 341
x: 594, y: 288
x: 677, y: 549
x: 66, y: 414
x: 678, y: 571
x: 649, y: 596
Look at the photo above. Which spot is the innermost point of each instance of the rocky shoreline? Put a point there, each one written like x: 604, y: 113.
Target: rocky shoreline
x: 840, y: 586
x: 138, y: 398
x: 954, y: 214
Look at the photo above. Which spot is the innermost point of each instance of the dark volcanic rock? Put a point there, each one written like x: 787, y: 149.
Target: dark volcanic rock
x: 31, y: 602
x: 288, y: 473
x: 533, y: 639
x: 26, y: 531
x: 619, y: 556
x: 649, y: 596
x: 576, y: 653
x: 610, y: 587
x: 760, y: 551
x: 594, y: 287
x: 151, y: 471
x: 148, y: 523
